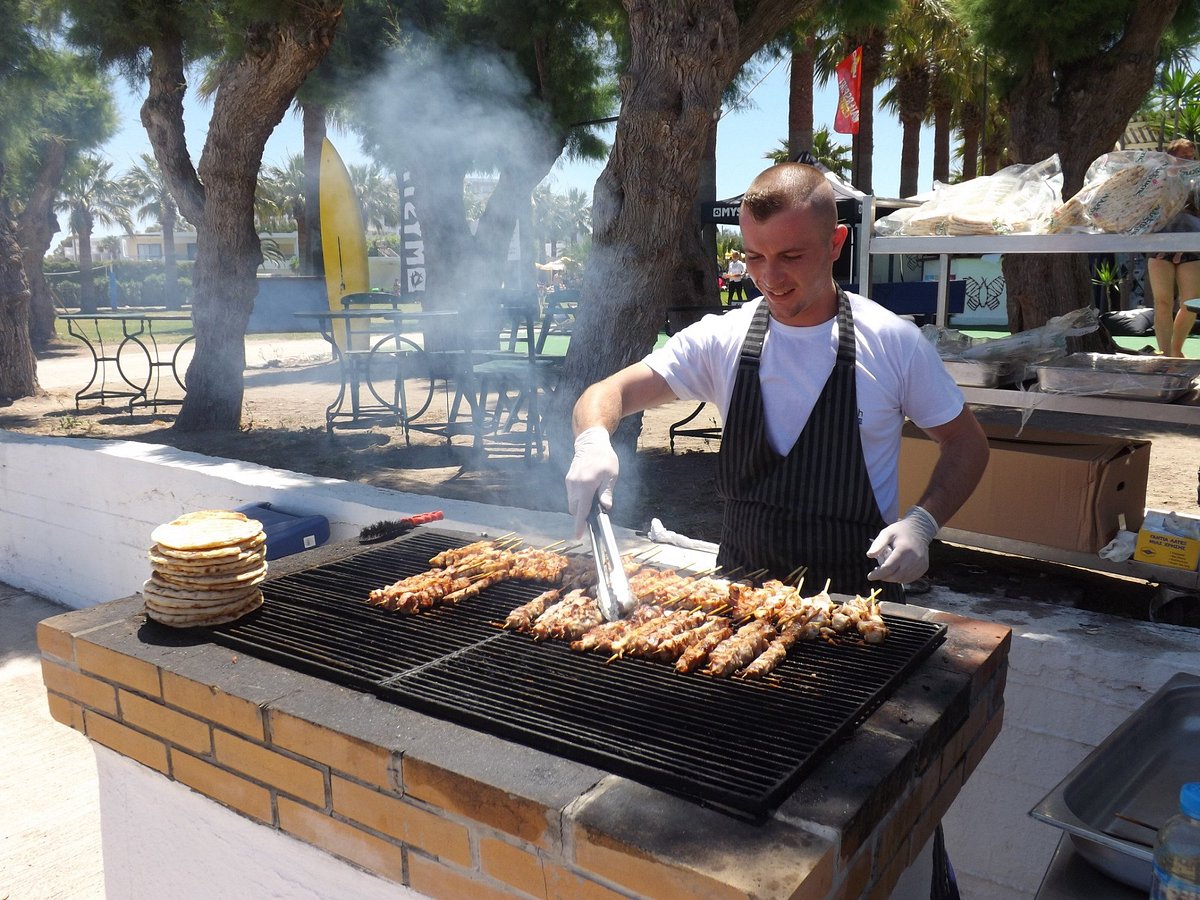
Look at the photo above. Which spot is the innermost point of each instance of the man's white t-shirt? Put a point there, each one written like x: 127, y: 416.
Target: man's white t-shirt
x: 736, y: 270
x: 898, y: 374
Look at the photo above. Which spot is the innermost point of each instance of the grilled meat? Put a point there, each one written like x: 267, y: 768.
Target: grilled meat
x: 695, y: 655
x: 736, y: 651
x: 521, y: 618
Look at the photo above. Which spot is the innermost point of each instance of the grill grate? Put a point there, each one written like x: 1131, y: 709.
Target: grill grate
x: 739, y: 746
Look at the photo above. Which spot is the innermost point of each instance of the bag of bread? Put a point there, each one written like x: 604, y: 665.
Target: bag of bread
x: 1017, y: 199
x: 1128, y: 192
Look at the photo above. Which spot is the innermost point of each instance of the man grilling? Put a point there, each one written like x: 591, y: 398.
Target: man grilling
x: 813, y: 385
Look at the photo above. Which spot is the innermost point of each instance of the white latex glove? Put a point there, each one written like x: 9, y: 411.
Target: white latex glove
x: 902, y: 549
x: 593, y: 471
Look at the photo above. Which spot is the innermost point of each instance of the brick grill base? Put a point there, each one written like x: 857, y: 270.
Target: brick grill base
x: 452, y: 812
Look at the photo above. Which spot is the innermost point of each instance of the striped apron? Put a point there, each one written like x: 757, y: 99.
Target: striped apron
x: 814, y: 507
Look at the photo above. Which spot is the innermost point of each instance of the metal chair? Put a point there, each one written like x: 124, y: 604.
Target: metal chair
x: 394, y: 368
x: 506, y: 374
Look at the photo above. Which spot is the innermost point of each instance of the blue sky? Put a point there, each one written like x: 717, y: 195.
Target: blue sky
x: 745, y: 133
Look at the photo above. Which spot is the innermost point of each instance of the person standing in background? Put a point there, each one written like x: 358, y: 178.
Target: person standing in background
x: 734, y: 275
x: 1175, y: 275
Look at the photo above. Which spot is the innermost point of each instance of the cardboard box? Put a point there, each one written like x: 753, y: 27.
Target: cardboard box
x: 1159, y: 547
x: 1057, y: 489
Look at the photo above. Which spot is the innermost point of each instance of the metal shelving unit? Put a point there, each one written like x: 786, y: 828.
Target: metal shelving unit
x: 978, y: 245
x: 1183, y: 412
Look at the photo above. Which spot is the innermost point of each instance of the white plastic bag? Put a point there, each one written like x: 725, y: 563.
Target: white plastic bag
x: 660, y: 535
x: 1018, y: 198
x: 1028, y: 348
x: 1128, y: 192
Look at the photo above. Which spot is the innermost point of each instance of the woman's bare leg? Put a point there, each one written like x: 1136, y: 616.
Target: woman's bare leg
x: 1162, y: 286
x: 1188, y: 275
x: 1184, y: 321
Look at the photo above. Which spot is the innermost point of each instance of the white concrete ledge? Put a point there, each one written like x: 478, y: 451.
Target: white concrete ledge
x: 76, y: 515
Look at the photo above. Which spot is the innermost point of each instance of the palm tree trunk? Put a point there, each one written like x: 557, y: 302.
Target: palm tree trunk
x: 971, y: 122
x: 800, y: 94
x: 942, y: 110
x: 864, y: 141
x: 170, y: 267
x: 87, y: 284
x: 910, y: 154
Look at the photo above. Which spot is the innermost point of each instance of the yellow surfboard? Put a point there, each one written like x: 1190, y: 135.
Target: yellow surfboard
x: 343, y: 240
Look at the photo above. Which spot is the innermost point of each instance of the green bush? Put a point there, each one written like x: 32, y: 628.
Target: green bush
x: 154, y: 290
x: 68, y: 291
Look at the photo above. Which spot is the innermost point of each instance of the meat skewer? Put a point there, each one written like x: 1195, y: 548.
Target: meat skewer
x: 521, y: 618
x: 734, y: 652
x: 775, y: 653
x: 695, y: 655
x: 603, y: 636
x: 568, y: 619
x: 674, y: 647
x: 669, y: 626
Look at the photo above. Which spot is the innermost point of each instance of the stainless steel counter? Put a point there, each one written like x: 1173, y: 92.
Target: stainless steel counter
x: 1071, y: 877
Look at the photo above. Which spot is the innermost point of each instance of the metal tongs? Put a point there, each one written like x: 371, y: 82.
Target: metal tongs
x: 612, y: 587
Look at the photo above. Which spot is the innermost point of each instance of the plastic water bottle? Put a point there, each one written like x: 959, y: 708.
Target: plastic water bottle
x: 1177, y: 850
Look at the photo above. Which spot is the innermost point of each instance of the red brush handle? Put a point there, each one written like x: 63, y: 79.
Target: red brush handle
x: 427, y: 517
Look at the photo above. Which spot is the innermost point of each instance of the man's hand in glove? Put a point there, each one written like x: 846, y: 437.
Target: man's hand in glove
x: 593, y: 471
x: 902, y: 549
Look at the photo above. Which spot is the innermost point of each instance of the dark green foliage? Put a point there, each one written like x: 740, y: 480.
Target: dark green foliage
x: 139, y: 282
x: 1071, y: 30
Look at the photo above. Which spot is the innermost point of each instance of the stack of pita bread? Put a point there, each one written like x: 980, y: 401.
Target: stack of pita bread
x: 206, y: 569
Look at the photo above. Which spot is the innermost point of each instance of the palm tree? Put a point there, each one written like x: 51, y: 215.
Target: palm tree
x: 146, y: 184
x: 1175, y: 90
x: 91, y: 195
x: 813, y: 43
x: 377, y: 196
x: 829, y: 153
x: 915, y: 34
x: 955, y: 79
x: 970, y: 74
x: 577, y: 214
x: 279, y: 203
x: 549, y: 219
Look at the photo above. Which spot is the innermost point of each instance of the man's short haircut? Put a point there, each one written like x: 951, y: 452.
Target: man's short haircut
x: 788, y: 186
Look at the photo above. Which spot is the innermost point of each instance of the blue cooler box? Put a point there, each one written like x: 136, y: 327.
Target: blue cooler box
x: 287, y: 533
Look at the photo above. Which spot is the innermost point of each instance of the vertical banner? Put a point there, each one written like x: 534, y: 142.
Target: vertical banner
x: 849, y: 81
x: 412, y: 244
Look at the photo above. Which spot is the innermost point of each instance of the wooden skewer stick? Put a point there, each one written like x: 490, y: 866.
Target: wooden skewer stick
x: 798, y: 571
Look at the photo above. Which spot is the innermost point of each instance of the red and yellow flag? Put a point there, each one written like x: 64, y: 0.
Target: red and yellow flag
x: 849, y: 80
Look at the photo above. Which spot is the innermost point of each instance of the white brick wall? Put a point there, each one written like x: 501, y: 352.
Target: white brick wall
x: 75, y: 519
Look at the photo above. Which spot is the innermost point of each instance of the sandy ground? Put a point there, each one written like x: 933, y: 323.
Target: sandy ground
x: 290, y: 382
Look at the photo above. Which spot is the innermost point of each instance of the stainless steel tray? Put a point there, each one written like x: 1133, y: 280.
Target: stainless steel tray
x: 973, y: 373
x: 1134, y: 776
x: 1150, y: 378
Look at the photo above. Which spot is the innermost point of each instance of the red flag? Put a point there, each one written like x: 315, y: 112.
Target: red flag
x: 849, y: 80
